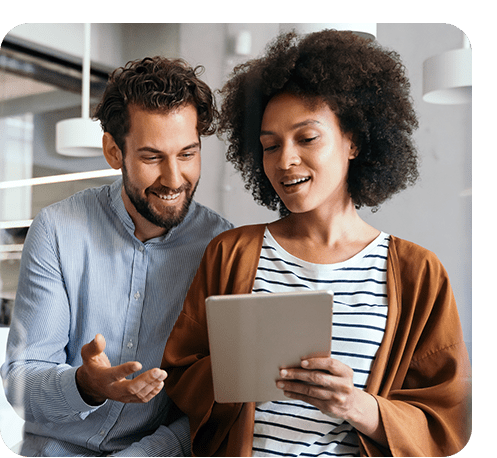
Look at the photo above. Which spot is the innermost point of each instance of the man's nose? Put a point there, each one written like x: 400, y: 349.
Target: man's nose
x: 171, y: 174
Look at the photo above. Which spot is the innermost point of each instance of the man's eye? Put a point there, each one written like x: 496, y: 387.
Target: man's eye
x: 269, y: 148
x: 309, y: 139
x: 187, y: 156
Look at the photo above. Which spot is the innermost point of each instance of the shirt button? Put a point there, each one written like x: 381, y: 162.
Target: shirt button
x: 102, y: 432
x: 140, y: 248
x: 137, y: 295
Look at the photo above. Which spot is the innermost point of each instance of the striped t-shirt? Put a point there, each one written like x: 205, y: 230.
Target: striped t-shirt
x: 294, y: 428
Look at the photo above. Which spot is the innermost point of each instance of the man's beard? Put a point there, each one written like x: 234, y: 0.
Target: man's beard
x: 170, y: 218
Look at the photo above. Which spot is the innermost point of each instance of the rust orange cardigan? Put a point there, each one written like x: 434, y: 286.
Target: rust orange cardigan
x: 420, y: 376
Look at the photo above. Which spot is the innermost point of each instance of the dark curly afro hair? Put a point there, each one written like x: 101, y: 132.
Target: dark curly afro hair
x: 362, y: 83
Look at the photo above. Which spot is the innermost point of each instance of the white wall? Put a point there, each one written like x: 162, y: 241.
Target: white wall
x: 211, y: 45
x: 106, y: 39
x: 433, y: 213
x: 436, y: 212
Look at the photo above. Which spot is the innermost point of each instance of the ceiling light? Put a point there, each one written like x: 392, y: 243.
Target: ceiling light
x: 363, y: 29
x: 81, y: 137
x: 447, y: 78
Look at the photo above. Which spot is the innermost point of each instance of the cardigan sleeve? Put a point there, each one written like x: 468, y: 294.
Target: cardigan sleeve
x: 424, y: 400
x: 226, y: 268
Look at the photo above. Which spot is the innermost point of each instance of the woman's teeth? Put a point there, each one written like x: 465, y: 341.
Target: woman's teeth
x: 295, y: 181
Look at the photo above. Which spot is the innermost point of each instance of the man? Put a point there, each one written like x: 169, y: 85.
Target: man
x: 104, y: 274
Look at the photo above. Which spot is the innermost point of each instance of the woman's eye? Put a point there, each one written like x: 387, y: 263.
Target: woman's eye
x: 309, y: 139
x: 269, y: 148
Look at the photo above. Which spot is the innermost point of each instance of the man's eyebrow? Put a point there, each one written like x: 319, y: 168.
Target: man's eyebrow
x: 150, y: 149
x: 295, y: 126
x: 191, y: 146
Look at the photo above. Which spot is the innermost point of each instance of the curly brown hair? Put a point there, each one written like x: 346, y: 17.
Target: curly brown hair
x: 362, y: 83
x: 154, y: 83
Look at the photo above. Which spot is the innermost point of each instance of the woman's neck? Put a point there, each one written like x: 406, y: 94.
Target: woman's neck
x: 324, y: 238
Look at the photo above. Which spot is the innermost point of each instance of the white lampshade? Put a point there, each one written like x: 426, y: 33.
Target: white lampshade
x: 447, y: 78
x: 363, y: 29
x: 79, y: 137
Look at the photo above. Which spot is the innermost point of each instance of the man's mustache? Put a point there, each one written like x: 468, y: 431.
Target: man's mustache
x: 166, y: 190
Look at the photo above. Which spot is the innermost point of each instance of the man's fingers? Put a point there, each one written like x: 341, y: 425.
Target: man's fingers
x: 148, y: 381
x: 93, y: 348
x: 123, y: 370
x: 149, y: 384
x: 142, y: 388
x: 151, y: 377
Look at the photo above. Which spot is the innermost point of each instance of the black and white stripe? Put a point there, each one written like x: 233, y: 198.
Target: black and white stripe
x: 293, y: 428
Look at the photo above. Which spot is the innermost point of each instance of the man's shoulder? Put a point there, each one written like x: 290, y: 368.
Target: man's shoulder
x: 78, y: 200
x: 204, y: 218
x: 80, y: 208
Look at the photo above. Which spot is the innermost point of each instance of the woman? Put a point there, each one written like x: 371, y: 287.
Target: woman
x: 320, y: 126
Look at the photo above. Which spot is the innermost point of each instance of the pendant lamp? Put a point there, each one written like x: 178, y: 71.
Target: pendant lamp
x: 366, y: 30
x: 447, y: 78
x: 81, y: 137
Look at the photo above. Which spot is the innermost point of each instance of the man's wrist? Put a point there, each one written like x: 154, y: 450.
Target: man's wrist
x: 87, y: 398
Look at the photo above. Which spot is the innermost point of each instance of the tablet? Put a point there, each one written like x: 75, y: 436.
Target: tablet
x: 251, y: 336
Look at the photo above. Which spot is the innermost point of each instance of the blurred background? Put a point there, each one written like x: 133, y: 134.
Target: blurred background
x: 42, y: 75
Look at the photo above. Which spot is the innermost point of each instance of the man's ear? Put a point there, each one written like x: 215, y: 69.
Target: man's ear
x: 113, y: 154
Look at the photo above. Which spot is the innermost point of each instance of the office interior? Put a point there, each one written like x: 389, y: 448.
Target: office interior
x: 41, y: 83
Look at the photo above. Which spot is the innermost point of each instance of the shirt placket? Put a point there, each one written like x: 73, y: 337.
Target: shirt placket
x: 135, y: 305
x: 131, y: 333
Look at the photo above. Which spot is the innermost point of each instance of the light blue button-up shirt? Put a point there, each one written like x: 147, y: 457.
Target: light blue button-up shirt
x: 84, y: 272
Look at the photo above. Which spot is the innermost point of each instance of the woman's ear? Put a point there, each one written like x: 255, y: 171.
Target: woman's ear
x: 113, y: 154
x: 354, y: 151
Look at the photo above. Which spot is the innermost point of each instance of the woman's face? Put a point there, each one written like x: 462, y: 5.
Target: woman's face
x: 306, y: 154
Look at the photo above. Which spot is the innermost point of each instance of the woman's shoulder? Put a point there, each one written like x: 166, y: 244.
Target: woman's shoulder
x: 241, y: 234
x: 413, y: 258
x: 238, y: 238
x: 406, y: 248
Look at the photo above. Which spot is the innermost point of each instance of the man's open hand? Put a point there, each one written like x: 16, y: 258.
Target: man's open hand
x: 97, y: 380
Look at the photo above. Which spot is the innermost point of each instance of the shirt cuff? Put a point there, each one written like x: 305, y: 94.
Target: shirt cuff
x: 172, y: 440
x: 134, y: 451
x: 71, y: 392
x: 181, y: 429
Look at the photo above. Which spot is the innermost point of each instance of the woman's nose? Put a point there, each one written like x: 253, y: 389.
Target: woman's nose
x: 289, y: 156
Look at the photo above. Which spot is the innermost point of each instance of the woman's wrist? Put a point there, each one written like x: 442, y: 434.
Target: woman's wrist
x: 365, y: 417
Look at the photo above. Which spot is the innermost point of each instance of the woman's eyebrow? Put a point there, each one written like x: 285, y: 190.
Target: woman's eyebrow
x: 295, y: 126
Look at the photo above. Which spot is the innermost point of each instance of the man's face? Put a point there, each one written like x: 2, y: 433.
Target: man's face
x: 161, y: 168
